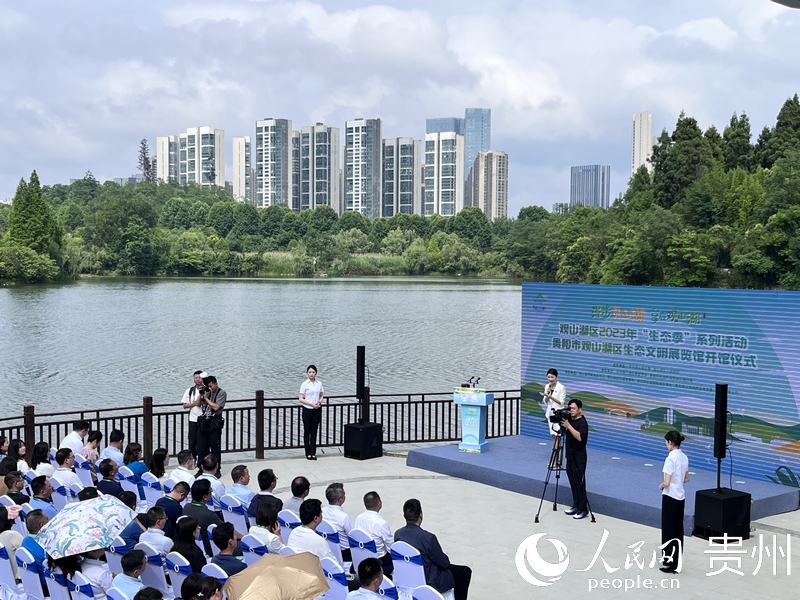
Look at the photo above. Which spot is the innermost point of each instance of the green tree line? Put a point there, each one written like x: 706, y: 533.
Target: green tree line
x: 717, y: 210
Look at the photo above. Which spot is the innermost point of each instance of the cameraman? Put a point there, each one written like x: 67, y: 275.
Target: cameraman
x: 193, y: 401
x: 210, y: 423
x: 577, y: 433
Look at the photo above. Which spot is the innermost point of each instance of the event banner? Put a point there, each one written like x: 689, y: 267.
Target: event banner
x: 644, y: 360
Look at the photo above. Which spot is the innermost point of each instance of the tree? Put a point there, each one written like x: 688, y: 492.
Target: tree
x: 782, y: 185
x: 472, y: 224
x: 271, y: 218
x: 397, y: 241
x: 71, y: 216
x: 324, y: 219
x: 145, y: 164
x: 353, y: 219
x: 639, y: 195
x: 176, y: 214
x: 784, y: 137
x: 533, y: 213
x: 737, y: 148
x: 31, y: 222
x: 220, y: 217
x: 246, y: 220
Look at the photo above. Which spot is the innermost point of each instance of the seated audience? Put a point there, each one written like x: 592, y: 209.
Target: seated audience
x: 131, y: 534
x: 3, y: 447
x: 187, y: 530
x: 7, y: 465
x: 154, y: 536
x: 208, y: 469
x: 211, y: 589
x: 90, y: 451
x: 305, y: 538
x: 65, y: 459
x: 15, y: 483
x: 108, y: 483
x: 191, y: 588
x: 133, y: 460
x: 183, y: 472
x: 266, y: 483
x: 159, y: 462
x: 40, y: 460
x: 334, y: 515
x: 16, y: 450
x: 96, y: 571
x: 171, y: 503
x: 240, y: 475
x: 10, y: 538
x: 201, y: 492
x: 149, y: 593
x: 88, y: 493
x: 34, y: 522
x: 267, y: 529
x: 224, y: 538
x: 129, y: 582
x: 376, y: 527
x: 114, y: 449
x: 74, y: 441
x: 300, y: 489
x: 370, y: 573
x: 42, y: 496
x: 439, y: 572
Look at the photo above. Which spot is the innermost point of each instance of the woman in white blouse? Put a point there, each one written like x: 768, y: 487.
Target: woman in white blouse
x: 673, y: 500
x: 311, y: 396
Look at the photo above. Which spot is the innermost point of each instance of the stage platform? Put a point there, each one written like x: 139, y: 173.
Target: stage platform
x: 618, y: 485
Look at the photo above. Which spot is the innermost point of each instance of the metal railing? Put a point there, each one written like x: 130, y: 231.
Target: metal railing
x: 260, y: 424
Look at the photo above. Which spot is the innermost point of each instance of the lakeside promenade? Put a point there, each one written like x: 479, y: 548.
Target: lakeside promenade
x: 482, y: 527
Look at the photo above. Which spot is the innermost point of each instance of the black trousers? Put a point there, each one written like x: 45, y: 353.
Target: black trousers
x: 461, y: 576
x: 311, y: 421
x: 672, y: 530
x: 193, y: 439
x: 576, y: 472
x: 208, y: 442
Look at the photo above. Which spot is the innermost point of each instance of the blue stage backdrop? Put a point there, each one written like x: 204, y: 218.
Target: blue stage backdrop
x: 644, y: 360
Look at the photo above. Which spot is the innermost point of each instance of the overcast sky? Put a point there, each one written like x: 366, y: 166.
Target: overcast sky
x: 83, y: 81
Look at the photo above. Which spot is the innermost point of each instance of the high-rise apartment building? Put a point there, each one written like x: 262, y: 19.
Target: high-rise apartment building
x: 295, y: 206
x: 590, y: 186
x: 642, y: 142
x: 274, y: 163
x: 402, y: 159
x: 488, y: 183
x: 362, y: 167
x: 167, y: 164
x: 201, y: 156
x: 477, y: 135
x: 443, y: 173
x: 441, y: 124
x: 320, y: 170
x: 242, y: 169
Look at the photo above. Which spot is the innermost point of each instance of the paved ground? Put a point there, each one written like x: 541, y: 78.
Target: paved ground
x: 483, y: 527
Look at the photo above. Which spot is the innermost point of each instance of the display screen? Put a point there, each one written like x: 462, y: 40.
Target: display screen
x: 644, y: 360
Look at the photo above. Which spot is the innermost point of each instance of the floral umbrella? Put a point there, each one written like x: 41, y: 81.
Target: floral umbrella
x: 83, y: 526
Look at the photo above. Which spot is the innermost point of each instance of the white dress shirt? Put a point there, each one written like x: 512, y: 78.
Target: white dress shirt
x: 66, y: 477
x: 363, y: 594
x: 156, y: 538
x: 305, y: 539
x: 73, y: 441
x: 293, y: 504
x: 217, y: 489
x: 114, y: 454
x: 98, y: 575
x: 334, y: 515
x: 182, y: 474
x: 376, y: 527
x: 269, y: 539
x: 242, y: 493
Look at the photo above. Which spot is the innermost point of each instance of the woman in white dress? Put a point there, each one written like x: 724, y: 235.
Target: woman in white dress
x: 554, y: 396
x: 311, y: 396
x: 673, y: 501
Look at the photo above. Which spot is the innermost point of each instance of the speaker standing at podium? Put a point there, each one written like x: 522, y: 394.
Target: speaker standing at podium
x: 311, y: 395
x: 673, y: 500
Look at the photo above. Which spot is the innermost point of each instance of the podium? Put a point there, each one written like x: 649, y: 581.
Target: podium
x: 473, y: 404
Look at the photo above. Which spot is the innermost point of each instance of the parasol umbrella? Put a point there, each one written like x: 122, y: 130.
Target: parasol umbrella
x: 279, y: 577
x: 83, y: 526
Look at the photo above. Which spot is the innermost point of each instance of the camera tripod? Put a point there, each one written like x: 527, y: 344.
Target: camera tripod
x: 556, y: 465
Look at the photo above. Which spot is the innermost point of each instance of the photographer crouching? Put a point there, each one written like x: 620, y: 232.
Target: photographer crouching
x: 210, y: 423
x: 577, y: 433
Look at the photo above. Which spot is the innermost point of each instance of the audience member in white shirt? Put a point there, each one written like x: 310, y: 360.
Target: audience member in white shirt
x: 114, y: 449
x: 74, y: 441
x: 300, y: 489
x: 334, y: 515
x: 370, y: 573
x: 240, y: 475
x: 97, y: 572
x: 209, y: 465
x: 154, y: 536
x: 267, y: 529
x: 64, y: 473
x: 185, y: 469
x: 305, y: 538
x: 376, y: 527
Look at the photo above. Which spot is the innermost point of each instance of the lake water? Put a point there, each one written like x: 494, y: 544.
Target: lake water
x: 109, y: 341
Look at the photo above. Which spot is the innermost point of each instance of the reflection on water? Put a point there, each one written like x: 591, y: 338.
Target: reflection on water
x: 106, y: 342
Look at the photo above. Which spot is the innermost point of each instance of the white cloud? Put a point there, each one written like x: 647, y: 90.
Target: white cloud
x: 710, y: 31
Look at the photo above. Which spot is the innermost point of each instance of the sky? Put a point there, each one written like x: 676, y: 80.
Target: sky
x: 82, y: 82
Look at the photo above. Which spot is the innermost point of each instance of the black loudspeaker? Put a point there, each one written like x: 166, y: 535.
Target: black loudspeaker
x: 363, y: 441
x: 720, y: 420
x: 360, y: 367
x: 718, y: 512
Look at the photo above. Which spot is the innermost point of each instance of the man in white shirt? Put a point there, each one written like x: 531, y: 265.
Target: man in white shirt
x: 74, y: 441
x: 134, y: 562
x: 209, y: 465
x: 114, y: 449
x: 96, y: 572
x: 185, y: 469
x: 335, y: 516
x: 154, y: 536
x: 370, y: 573
x: 191, y: 400
x: 300, y: 489
x: 64, y: 473
x: 240, y: 476
x: 376, y: 527
x: 305, y: 538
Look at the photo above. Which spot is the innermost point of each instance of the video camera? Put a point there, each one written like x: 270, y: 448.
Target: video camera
x: 560, y: 414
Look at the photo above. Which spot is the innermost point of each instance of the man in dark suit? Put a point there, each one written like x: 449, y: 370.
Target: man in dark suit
x: 108, y: 473
x: 439, y: 572
x: 266, y: 483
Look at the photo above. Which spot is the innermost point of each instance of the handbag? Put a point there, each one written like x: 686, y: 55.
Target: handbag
x: 211, y: 422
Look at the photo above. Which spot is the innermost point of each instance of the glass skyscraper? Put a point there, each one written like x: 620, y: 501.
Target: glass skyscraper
x: 590, y: 185
x: 477, y: 135
x: 442, y: 124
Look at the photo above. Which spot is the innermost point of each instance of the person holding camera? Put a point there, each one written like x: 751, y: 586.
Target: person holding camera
x: 192, y: 400
x: 210, y: 422
x: 577, y: 434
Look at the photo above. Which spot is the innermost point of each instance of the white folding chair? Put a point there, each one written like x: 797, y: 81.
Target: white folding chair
x: 288, y: 521
x: 7, y: 579
x: 337, y: 580
x: 235, y: 513
x: 60, y: 494
x: 128, y: 480
x: 79, y: 587
x: 83, y: 469
x: 29, y: 571
x: 52, y: 457
x: 114, y: 555
x: 426, y: 592
x: 361, y: 546
x: 6, y: 501
x: 387, y: 589
x: 153, y: 490
x: 212, y: 570
x: 210, y: 534
x: 154, y: 574
x: 286, y: 550
x: 178, y: 568
x: 253, y: 549
x: 168, y: 484
x: 116, y: 594
x: 408, y: 570
x: 74, y: 490
x: 19, y: 522
x: 327, y: 532
x: 57, y: 584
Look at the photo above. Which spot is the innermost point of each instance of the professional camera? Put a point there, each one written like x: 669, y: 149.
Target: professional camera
x: 205, y: 390
x: 561, y: 414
